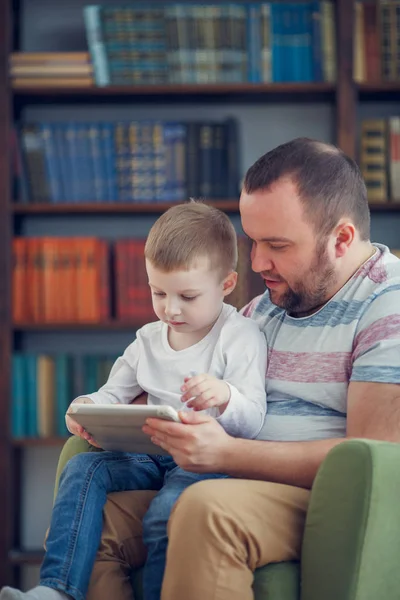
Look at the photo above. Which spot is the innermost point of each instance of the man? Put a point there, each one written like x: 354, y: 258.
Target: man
x: 331, y: 319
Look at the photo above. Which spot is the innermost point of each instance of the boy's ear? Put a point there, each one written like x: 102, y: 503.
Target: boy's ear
x: 229, y: 283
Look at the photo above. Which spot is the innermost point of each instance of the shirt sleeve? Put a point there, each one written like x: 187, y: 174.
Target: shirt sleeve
x: 122, y: 386
x: 246, y: 364
x: 376, y: 348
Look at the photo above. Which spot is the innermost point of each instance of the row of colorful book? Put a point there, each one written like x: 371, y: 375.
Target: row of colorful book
x: 380, y: 158
x: 135, y: 161
x: 376, y: 41
x: 55, y: 69
x: 212, y: 43
x: 88, y: 280
x: 43, y: 386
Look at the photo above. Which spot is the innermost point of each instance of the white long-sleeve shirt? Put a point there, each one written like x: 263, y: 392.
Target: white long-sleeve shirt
x: 234, y: 350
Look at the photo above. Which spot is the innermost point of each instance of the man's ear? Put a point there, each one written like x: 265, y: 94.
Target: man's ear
x: 229, y: 283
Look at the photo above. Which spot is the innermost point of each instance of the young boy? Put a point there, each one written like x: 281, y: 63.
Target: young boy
x: 191, y: 256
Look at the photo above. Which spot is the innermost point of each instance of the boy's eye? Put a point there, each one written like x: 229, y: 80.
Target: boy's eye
x: 158, y: 294
x: 188, y: 298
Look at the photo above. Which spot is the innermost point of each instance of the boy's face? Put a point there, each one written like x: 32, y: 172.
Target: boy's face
x: 188, y: 301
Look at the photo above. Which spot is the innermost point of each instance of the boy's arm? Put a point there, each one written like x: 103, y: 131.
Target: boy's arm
x: 246, y: 365
x: 122, y: 385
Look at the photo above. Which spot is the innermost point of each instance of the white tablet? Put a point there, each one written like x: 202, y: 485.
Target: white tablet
x: 118, y: 427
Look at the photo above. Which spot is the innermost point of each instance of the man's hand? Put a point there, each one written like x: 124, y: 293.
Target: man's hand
x: 198, y: 444
x: 205, y: 391
x: 77, y: 429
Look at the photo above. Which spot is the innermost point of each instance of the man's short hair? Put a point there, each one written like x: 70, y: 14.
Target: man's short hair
x: 329, y: 183
x: 187, y: 232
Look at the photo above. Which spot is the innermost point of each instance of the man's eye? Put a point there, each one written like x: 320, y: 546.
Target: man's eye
x: 278, y: 247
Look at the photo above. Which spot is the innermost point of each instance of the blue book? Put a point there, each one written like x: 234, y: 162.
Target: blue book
x: 276, y: 46
x: 91, y: 374
x: 296, y: 57
x: 78, y: 376
x: 62, y: 159
x: 316, y: 39
x: 159, y: 161
x: 307, y: 43
x: 32, y: 395
x: 108, y: 159
x: 99, y: 174
x: 83, y: 165
x: 254, y: 43
x: 52, y: 164
x: 18, y: 405
x: 169, y: 140
x: 92, y: 16
x: 63, y: 384
x: 74, y: 165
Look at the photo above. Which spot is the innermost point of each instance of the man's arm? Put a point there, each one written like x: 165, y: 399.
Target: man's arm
x: 201, y: 445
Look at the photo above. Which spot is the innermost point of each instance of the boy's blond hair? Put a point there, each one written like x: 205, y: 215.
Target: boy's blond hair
x: 190, y: 231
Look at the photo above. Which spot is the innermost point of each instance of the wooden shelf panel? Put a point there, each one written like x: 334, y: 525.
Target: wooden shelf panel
x: 38, y: 442
x: 385, y: 206
x: 115, y: 208
x: 26, y: 557
x: 207, y: 89
x: 103, y: 326
x: 381, y: 90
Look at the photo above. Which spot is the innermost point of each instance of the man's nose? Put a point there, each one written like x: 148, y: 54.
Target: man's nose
x: 260, y: 260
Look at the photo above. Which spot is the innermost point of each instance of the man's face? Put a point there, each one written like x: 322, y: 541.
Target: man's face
x: 297, y: 268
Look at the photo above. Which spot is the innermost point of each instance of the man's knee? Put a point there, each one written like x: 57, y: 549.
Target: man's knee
x: 122, y: 528
x: 202, y: 504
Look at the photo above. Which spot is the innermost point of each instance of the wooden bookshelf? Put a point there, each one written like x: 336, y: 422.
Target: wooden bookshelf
x: 343, y: 95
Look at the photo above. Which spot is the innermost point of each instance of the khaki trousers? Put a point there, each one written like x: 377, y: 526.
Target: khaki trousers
x: 220, y: 531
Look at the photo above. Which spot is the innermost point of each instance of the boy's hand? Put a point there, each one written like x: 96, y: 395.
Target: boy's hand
x: 77, y: 429
x: 205, y: 391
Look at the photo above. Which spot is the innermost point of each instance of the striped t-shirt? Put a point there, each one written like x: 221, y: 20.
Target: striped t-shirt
x: 311, y: 360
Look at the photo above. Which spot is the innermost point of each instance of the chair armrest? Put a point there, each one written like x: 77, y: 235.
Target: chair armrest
x: 351, y: 545
x: 74, y: 445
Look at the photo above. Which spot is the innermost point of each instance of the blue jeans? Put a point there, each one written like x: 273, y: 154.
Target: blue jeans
x: 77, y: 518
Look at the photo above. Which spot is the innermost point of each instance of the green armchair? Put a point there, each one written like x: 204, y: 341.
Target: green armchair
x: 351, y: 546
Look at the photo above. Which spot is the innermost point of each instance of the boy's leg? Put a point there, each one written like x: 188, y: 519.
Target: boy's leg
x: 155, y: 527
x: 221, y: 531
x: 77, y: 516
x: 121, y: 548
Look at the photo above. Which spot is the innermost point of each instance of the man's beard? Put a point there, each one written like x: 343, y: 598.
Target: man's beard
x: 312, y: 291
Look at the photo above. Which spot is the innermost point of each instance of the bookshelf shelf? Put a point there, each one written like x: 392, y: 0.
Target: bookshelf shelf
x: 103, y: 326
x: 379, y: 90
x: 43, y: 209
x: 390, y: 206
x: 34, y: 442
x: 209, y: 89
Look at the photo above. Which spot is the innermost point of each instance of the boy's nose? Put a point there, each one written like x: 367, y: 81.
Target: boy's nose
x: 171, y: 310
